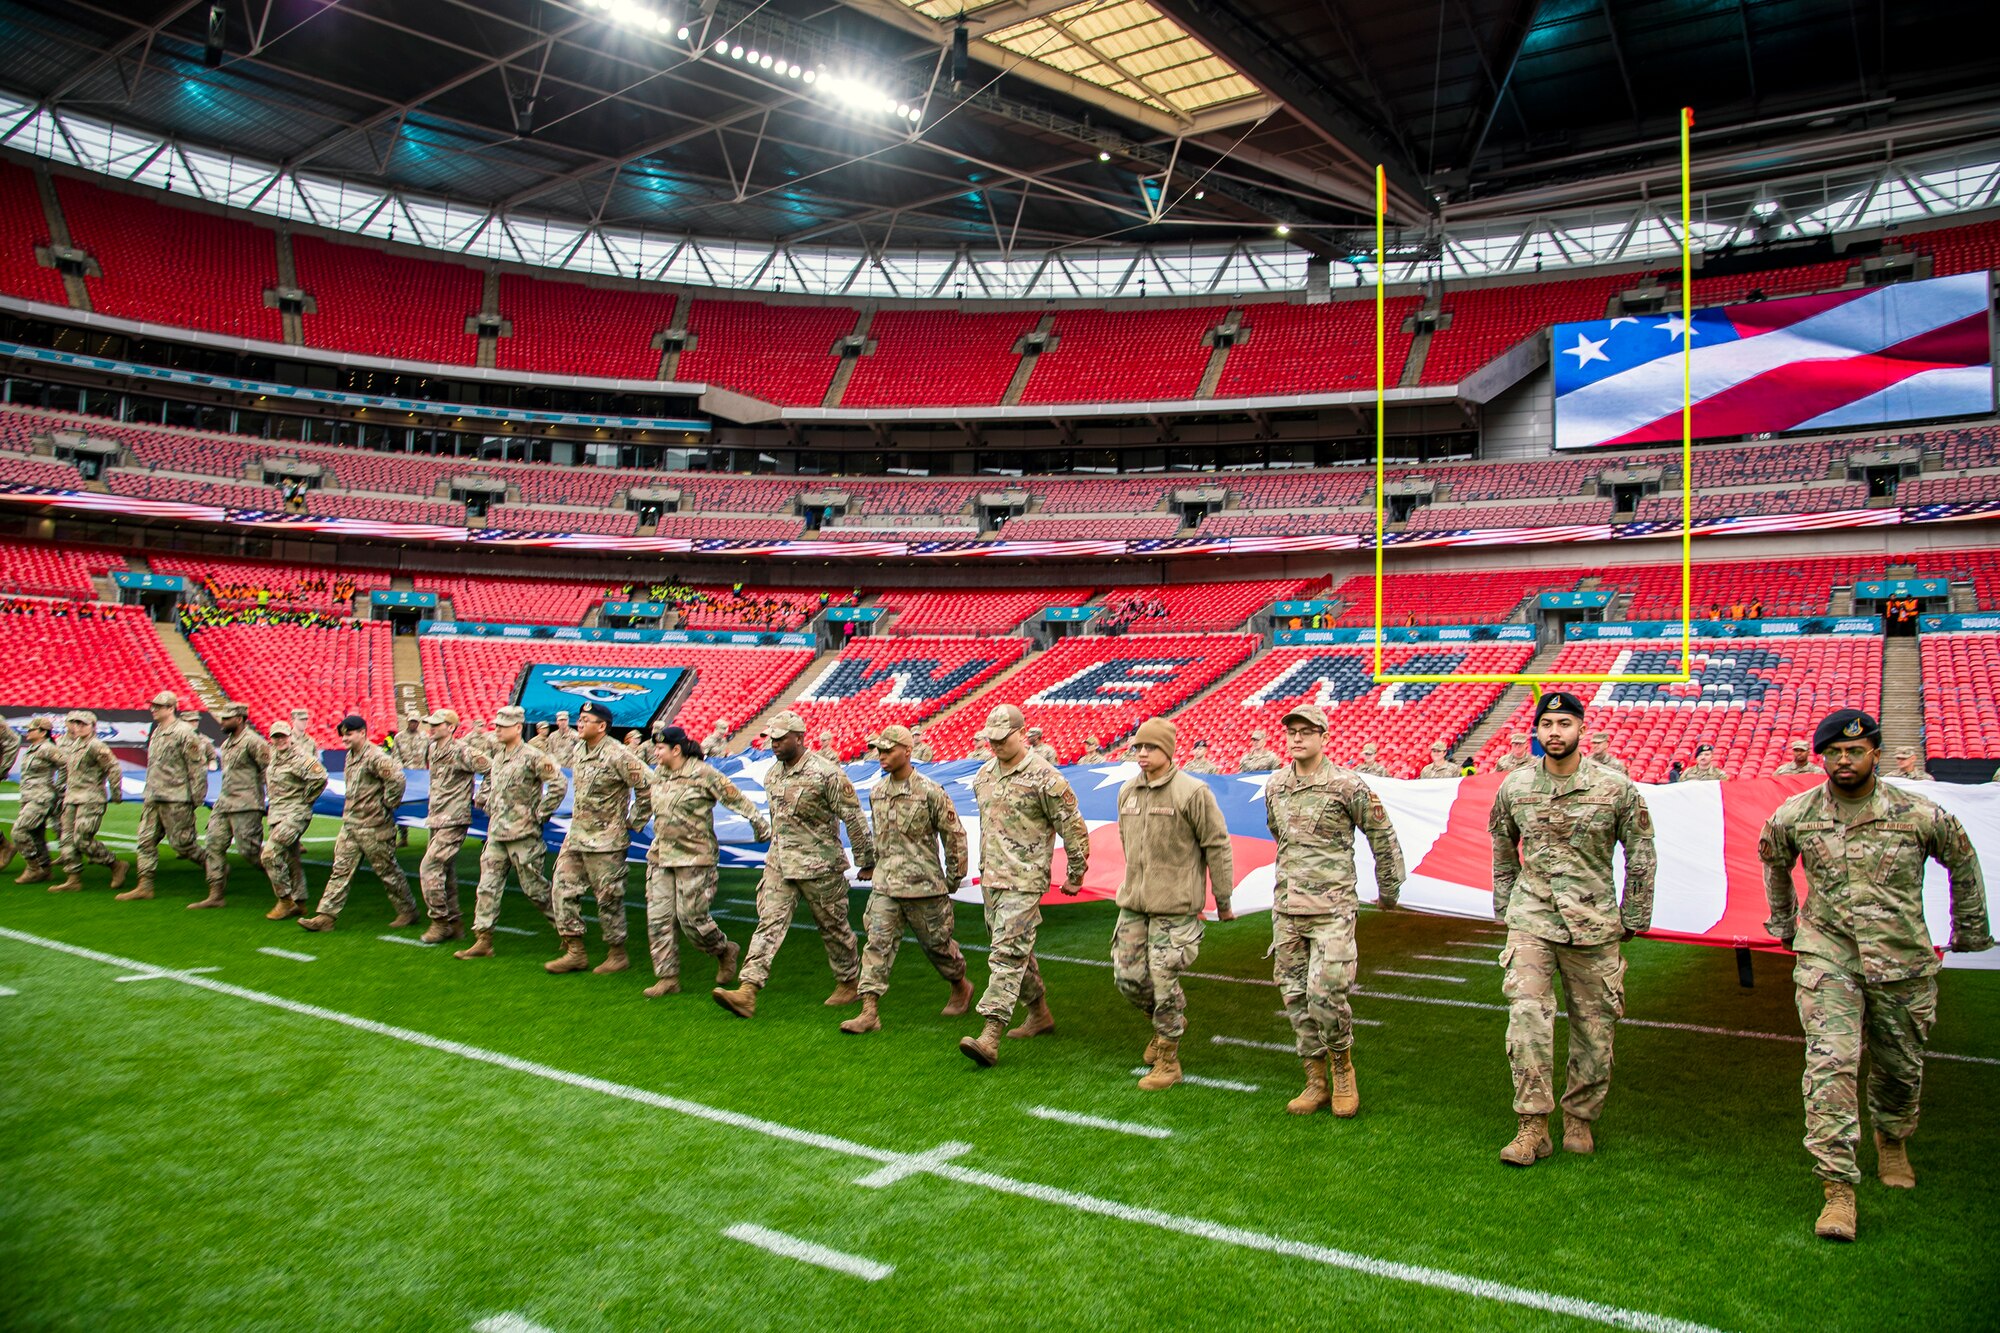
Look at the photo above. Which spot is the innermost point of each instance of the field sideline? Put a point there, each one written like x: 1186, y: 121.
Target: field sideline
x: 351, y: 1132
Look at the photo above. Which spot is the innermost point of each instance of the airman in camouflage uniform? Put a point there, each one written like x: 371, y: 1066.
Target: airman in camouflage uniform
x: 1093, y: 753
x: 911, y: 817
x: 1199, y: 761
x: 561, y: 744
x: 302, y: 737
x: 176, y: 782
x: 1259, y: 758
x: 681, y: 863
x: 810, y: 799
x: 1518, y: 755
x: 41, y: 798
x: 91, y: 778
x: 1704, y: 769
x: 10, y: 746
x: 1910, y: 765
x: 294, y: 779
x: 211, y: 758
x: 1370, y: 766
x: 1866, y: 972
x: 523, y: 789
x: 1440, y: 765
x: 826, y: 748
x: 1042, y: 749
x: 1024, y: 806
x: 717, y: 744
x: 238, y: 814
x: 374, y: 788
x: 1313, y: 809
x: 1177, y: 850
x: 1799, y: 765
x: 920, y: 749
x: 611, y: 796
x: 410, y: 750
x: 454, y: 766
x: 1600, y: 753
x: 1555, y: 826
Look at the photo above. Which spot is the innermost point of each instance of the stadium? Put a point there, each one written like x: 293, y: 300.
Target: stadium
x: 1347, y: 429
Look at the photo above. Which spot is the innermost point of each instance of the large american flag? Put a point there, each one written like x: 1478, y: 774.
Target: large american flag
x: 1908, y: 352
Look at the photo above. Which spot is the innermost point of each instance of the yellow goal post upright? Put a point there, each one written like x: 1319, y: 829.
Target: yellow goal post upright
x: 1535, y: 680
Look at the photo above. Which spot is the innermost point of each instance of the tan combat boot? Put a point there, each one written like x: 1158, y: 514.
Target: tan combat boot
x: 6, y: 851
x: 409, y: 916
x: 481, y: 946
x: 437, y: 932
x: 960, y: 1003
x: 34, y: 874
x: 868, y: 1020
x: 1166, y: 1069
x: 73, y: 884
x: 1152, y: 1050
x: 316, y: 923
x: 726, y: 967
x: 1836, y: 1220
x: 1314, y: 1097
x: 138, y: 892
x: 984, y: 1049
x: 1343, y: 1090
x: 1039, y: 1021
x: 284, y: 910
x: 1531, y: 1142
x: 667, y: 985
x: 1577, y: 1136
x: 845, y: 992
x: 572, y: 959
x: 214, y: 899
x: 119, y: 870
x: 1892, y: 1163
x: 614, y: 961
x: 742, y: 1001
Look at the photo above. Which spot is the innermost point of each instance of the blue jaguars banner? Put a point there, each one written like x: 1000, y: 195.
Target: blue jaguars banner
x: 635, y: 695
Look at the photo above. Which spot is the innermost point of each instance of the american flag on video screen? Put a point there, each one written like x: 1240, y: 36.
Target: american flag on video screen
x: 1866, y: 357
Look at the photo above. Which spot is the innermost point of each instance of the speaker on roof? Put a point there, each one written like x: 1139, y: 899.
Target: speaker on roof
x: 961, y: 55
x: 218, y: 34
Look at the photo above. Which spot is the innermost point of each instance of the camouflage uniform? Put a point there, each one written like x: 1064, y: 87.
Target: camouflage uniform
x: 910, y: 819
x: 295, y: 778
x: 1917, y: 774
x: 1046, y: 753
x: 10, y: 746
x: 412, y: 745
x: 828, y: 751
x: 238, y: 813
x: 1442, y: 768
x: 561, y: 745
x: 1022, y: 811
x: 1510, y: 761
x: 1313, y: 819
x: 1199, y: 764
x: 1866, y: 972
x: 1552, y: 886
x: 1705, y: 770
x: 1373, y: 768
x: 717, y: 744
x: 1612, y: 762
x: 523, y: 789
x: 1796, y: 768
x: 453, y: 765
x: 602, y: 817
x: 921, y: 753
x: 809, y: 802
x: 368, y: 831
x: 41, y: 798
x: 176, y: 781
x: 1094, y: 755
x: 91, y: 775
x: 1176, y: 848
x: 680, y: 865
x: 1259, y: 759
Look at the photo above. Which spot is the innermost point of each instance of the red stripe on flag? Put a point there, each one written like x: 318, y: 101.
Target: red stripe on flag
x: 1746, y: 807
x: 1463, y: 853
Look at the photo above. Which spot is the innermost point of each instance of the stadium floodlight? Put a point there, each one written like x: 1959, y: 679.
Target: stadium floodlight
x: 1534, y: 680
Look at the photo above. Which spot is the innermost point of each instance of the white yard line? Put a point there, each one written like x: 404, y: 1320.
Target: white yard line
x: 155, y: 975
x: 512, y: 930
x: 1287, y: 1047
x: 1099, y: 1122
x: 410, y: 940
x: 1447, y: 958
x: 508, y: 1323
x: 1473, y: 944
x: 806, y: 1252
x: 287, y: 953
x: 1220, y: 1233
x: 1199, y: 1081
x: 5, y: 991
x: 1418, y: 976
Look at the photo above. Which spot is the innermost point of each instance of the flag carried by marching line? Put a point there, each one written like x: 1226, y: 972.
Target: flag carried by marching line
x: 1910, y: 351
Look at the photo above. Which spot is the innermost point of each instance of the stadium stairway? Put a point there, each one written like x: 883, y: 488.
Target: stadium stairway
x: 1902, y: 697
x: 409, y: 673
x: 1505, y: 706
x: 189, y: 661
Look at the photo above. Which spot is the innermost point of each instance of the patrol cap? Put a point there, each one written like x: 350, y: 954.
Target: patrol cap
x: 435, y: 716
x: 1003, y: 722
x: 232, y: 710
x: 1518, y: 738
x: 81, y: 715
x: 892, y: 736
x: 1369, y: 749
x: 280, y: 728
x: 1605, y: 737
x: 1158, y: 733
x: 43, y: 723
x: 1439, y: 747
x: 786, y: 723
x: 190, y: 714
x: 299, y: 715
x: 511, y: 715
x: 1259, y: 734
x: 1034, y: 732
x: 1906, y: 752
x: 1560, y: 702
x: 826, y: 733
x: 602, y: 712
x: 352, y: 722
x: 1310, y: 714
x: 166, y: 699
x: 1800, y: 743
x: 561, y: 716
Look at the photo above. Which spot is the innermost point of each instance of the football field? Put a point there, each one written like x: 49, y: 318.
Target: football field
x: 215, y: 1121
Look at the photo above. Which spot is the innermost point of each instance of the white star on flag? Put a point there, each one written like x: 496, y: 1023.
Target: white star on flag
x: 1673, y: 325
x: 1587, y: 350
x: 1624, y: 319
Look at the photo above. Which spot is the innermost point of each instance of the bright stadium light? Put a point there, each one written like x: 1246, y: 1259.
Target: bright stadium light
x: 735, y: 53
x: 683, y: 33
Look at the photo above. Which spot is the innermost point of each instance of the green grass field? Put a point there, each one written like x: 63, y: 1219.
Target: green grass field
x: 387, y: 1137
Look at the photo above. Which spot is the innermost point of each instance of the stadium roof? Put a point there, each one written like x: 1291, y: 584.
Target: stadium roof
x: 1203, y: 124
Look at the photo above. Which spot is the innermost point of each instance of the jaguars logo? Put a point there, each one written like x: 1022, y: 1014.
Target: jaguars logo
x: 598, y: 691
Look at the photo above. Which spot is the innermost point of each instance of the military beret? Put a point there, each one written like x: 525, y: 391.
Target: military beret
x: 1846, y: 724
x: 601, y: 712
x: 678, y: 739
x: 1704, y: 748
x: 1560, y: 702
x: 1201, y: 745
x: 352, y: 722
